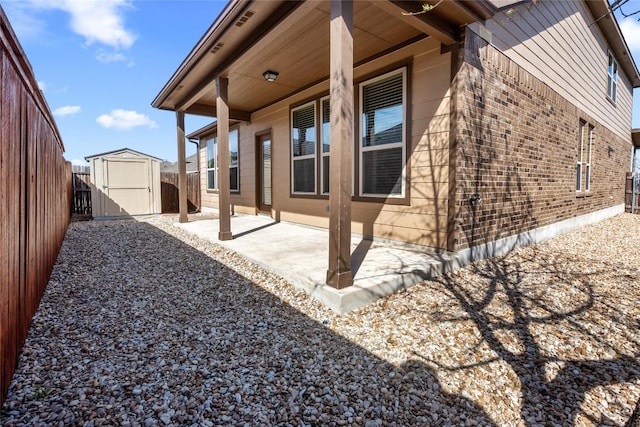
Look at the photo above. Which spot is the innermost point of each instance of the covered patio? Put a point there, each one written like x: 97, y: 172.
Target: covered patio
x: 257, y: 54
x: 299, y: 254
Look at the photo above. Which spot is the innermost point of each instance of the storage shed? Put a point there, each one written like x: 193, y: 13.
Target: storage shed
x: 125, y: 182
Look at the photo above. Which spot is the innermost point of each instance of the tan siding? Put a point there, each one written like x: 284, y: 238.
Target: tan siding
x: 555, y: 42
x: 208, y: 199
x: 423, y: 221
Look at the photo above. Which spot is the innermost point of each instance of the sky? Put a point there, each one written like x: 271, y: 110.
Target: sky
x: 100, y: 64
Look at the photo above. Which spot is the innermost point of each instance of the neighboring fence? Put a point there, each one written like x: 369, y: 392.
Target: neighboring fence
x: 35, y: 198
x: 632, y: 193
x: 81, y: 192
x: 169, y: 195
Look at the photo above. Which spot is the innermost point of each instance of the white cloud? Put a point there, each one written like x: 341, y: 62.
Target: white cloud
x: 79, y: 162
x: 67, y: 110
x: 631, y: 31
x: 98, y: 21
x: 107, y: 57
x: 42, y: 85
x: 125, y: 119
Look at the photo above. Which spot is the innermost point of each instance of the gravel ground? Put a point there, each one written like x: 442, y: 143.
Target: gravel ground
x: 144, y: 324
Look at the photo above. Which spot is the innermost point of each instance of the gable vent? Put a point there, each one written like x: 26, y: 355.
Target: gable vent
x: 216, y: 48
x: 244, y: 18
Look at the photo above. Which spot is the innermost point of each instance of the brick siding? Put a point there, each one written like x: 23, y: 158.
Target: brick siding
x: 515, y: 145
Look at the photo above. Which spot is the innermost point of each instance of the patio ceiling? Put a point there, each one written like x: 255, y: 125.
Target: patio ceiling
x: 292, y: 38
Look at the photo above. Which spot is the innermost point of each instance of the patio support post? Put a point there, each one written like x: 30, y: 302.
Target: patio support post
x: 182, y: 168
x: 224, y: 195
x: 341, y: 118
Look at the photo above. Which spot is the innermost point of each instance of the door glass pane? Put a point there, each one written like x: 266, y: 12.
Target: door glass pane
x: 266, y: 172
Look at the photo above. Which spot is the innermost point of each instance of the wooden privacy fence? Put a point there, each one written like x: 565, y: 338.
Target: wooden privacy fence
x: 169, y: 192
x: 632, y: 194
x: 35, y: 193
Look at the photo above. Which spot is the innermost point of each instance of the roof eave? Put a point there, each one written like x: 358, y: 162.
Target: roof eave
x: 611, y: 30
x: 229, y: 14
x: 635, y: 137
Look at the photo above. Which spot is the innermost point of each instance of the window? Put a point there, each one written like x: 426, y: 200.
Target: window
x: 325, y: 138
x: 303, y: 149
x: 212, y: 164
x: 381, y: 142
x: 587, y: 170
x: 382, y: 136
x: 612, y: 78
x: 585, y: 148
x: 234, y: 184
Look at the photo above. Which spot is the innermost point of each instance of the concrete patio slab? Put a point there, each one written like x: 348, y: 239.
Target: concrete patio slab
x: 299, y: 254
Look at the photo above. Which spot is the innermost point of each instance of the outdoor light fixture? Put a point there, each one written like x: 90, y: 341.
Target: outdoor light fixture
x: 270, y: 76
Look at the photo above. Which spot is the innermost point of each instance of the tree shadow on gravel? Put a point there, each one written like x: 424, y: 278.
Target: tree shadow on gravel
x: 525, y: 308
x: 138, y: 328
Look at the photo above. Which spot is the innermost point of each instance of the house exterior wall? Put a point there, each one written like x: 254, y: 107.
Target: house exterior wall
x: 557, y: 42
x: 515, y: 144
x: 422, y: 220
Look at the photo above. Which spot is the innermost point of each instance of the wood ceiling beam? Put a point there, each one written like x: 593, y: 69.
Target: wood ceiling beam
x: 211, y: 111
x: 428, y: 23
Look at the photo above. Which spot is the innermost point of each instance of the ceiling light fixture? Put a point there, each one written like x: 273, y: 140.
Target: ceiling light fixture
x: 270, y: 76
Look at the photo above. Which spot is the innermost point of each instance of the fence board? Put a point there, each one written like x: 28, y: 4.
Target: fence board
x: 35, y: 196
x: 169, y: 192
x: 629, y: 194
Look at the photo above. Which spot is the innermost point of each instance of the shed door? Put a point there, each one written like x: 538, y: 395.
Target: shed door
x: 127, y: 187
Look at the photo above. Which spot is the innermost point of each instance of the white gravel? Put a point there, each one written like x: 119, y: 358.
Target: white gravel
x: 145, y: 324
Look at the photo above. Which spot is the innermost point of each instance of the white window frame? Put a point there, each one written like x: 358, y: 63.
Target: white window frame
x: 612, y: 77
x: 212, y: 142
x: 581, y: 126
x: 322, y: 135
x: 307, y: 156
x: 587, y: 169
x: 402, y: 144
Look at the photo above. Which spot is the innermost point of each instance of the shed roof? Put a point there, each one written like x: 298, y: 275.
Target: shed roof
x: 121, y: 150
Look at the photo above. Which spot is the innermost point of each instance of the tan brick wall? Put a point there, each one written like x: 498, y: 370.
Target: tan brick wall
x: 515, y: 144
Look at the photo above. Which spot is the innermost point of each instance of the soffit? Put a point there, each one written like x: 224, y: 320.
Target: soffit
x: 609, y: 25
x: 299, y: 51
x: 293, y: 38
x: 635, y: 137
